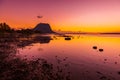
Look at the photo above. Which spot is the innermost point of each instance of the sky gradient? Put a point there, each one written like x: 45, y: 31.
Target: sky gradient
x: 66, y: 15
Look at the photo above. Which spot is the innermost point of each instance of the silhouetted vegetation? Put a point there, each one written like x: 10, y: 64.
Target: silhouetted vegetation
x: 4, y: 27
x: 25, y: 31
x: 37, y: 32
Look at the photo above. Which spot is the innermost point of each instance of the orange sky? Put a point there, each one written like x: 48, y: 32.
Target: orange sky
x: 65, y: 15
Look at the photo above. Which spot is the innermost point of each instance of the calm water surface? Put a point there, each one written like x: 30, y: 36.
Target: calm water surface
x: 86, y: 62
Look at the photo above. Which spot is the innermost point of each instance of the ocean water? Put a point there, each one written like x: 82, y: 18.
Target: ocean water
x: 87, y: 57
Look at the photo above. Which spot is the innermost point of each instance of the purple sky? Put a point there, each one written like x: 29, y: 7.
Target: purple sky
x: 62, y: 14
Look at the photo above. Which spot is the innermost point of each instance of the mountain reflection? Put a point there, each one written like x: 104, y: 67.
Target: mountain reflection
x: 37, y: 39
x: 42, y: 39
x: 13, y: 67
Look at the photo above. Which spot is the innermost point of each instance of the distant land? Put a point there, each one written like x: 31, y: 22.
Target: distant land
x: 39, y: 28
x: 44, y: 28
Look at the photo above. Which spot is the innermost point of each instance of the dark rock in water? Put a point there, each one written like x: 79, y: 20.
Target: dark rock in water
x: 105, y: 59
x: 94, y: 47
x: 43, y: 28
x: 115, y: 62
x: 99, y: 72
x: 101, y: 50
x: 119, y: 54
x: 119, y: 72
x: 103, y: 78
x: 67, y: 38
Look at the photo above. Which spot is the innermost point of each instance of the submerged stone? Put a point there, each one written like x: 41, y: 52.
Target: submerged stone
x: 94, y: 47
x: 119, y: 72
x: 67, y: 38
x: 101, y: 50
x: 105, y: 59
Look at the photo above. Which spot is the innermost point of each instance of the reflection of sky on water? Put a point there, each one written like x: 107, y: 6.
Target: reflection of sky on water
x: 87, y: 62
x: 14, y: 67
x: 81, y: 55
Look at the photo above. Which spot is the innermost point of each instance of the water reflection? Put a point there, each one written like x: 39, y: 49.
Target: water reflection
x: 36, y: 39
x: 91, y: 57
x: 42, y: 39
x: 13, y: 67
x: 51, y: 57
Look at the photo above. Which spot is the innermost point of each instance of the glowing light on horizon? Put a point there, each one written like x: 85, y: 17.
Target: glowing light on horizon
x: 75, y: 15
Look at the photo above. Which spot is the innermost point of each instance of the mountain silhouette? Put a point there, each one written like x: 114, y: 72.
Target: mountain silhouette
x: 43, y: 28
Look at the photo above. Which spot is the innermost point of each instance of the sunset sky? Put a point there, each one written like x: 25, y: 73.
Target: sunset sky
x: 66, y: 15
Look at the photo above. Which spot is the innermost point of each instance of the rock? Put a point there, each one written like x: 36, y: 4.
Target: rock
x: 67, y: 38
x: 105, y: 59
x: 101, y: 50
x: 115, y: 62
x: 94, y: 47
x: 119, y: 72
